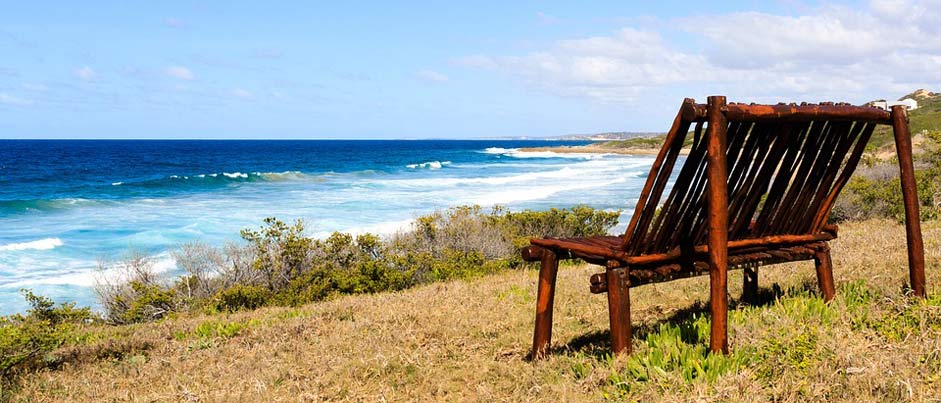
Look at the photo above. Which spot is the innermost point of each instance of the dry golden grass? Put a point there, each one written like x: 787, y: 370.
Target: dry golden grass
x: 467, y: 341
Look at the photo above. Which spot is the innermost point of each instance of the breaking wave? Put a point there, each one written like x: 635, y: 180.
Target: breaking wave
x: 42, y: 244
x: 429, y: 165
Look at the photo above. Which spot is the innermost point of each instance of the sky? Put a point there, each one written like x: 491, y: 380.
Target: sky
x: 442, y: 69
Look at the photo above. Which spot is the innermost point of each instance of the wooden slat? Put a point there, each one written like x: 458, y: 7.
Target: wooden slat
x: 784, y: 113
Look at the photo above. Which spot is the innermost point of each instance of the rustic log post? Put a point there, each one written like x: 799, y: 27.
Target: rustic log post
x: 619, y: 309
x: 916, y: 248
x: 542, y: 333
x: 750, y: 283
x: 718, y: 221
x: 824, y: 266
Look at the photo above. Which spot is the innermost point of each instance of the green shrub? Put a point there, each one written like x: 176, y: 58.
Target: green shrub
x: 874, y: 191
x: 578, y: 221
x: 239, y: 297
x: 280, y: 265
x: 145, y: 303
x: 281, y: 250
x: 27, y: 341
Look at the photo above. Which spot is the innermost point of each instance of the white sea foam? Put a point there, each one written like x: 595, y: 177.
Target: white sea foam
x: 282, y: 176
x: 117, y: 183
x: 272, y: 176
x: 429, y: 165
x: 382, y: 228
x: 550, y: 154
x: 499, y: 150
x: 88, y: 274
x: 505, y: 196
x: 572, y: 172
x: 518, y: 153
x: 42, y: 244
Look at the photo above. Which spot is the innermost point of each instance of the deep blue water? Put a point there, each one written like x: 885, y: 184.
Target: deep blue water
x: 65, y: 205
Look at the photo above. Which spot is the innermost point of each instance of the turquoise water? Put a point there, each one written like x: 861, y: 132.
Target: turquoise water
x: 66, y: 205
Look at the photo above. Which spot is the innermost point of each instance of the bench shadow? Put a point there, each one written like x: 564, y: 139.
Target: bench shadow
x: 597, y: 344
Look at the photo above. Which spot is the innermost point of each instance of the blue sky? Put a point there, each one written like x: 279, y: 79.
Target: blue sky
x: 191, y: 69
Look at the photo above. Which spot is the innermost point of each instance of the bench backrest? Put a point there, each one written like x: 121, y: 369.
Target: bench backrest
x: 786, y: 164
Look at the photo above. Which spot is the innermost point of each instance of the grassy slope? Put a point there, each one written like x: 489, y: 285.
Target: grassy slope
x: 926, y: 117
x: 467, y: 340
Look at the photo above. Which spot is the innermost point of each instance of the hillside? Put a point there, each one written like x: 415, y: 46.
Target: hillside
x: 926, y: 117
x: 467, y: 341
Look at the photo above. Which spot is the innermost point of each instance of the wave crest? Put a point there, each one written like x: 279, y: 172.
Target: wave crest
x: 429, y: 165
x: 41, y: 244
x: 519, y: 153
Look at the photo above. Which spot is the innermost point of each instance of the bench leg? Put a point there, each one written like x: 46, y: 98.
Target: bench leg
x: 619, y: 309
x: 825, y: 273
x: 750, y: 284
x: 916, y: 246
x: 542, y: 334
x: 718, y: 224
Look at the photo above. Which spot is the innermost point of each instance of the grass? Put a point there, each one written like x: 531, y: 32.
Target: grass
x: 467, y: 340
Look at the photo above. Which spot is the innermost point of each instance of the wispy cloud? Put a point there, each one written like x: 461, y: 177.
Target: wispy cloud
x: 432, y: 76
x: 179, y: 72
x: 832, y: 52
x: 85, y: 73
x: 240, y: 93
x: 12, y: 100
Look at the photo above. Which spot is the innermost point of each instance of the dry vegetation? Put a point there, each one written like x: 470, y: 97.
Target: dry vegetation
x: 467, y: 340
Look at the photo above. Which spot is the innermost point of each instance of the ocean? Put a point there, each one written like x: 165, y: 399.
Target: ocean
x: 66, y: 205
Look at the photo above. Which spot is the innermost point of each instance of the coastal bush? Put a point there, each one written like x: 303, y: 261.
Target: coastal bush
x: 238, y: 297
x: 575, y: 222
x: 874, y: 190
x: 131, y: 291
x: 27, y: 341
x: 278, y: 264
x: 465, y: 228
x: 282, y: 252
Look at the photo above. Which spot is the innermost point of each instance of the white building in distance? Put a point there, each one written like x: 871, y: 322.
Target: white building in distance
x: 908, y: 103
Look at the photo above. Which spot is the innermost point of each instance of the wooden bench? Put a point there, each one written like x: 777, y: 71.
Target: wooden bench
x: 756, y: 188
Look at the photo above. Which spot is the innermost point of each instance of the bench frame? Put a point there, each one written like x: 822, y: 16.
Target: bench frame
x: 624, y: 270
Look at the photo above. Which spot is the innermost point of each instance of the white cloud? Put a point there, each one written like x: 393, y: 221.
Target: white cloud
x: 431, y: 75
x: 833, y: 53
x: 240, y: 93
x: 12, y: 100
x: 179, y: 72
x: 84, y: 73
x: 609, y: 68
x: 836, y: 36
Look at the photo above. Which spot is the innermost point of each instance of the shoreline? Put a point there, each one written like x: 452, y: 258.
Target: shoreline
x: 596, y: 149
